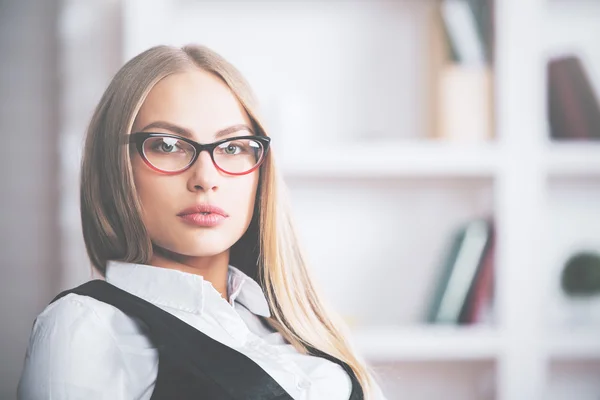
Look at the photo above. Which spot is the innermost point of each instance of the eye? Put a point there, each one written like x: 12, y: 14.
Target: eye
x: 230, y: 148
x: 166, y: 145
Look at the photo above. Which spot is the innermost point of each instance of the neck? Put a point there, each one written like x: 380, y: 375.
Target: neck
x: 212, y: 268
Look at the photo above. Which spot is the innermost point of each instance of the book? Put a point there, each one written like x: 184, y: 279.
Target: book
x: 465, y: 41
x: 479, y: 305
x: 461, y: 264
x: 462, y: 81
x: 483, y: 14
x: 573, y: 108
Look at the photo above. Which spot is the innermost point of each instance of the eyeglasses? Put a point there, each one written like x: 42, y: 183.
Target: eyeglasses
x: 172, y: 154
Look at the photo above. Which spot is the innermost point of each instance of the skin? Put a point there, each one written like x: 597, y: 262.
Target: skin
x: 203, y: 105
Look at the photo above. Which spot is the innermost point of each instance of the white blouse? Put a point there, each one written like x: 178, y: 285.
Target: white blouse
x: 81, y: 348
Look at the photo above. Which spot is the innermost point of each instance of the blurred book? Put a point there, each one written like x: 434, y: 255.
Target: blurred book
x: 478, y: 307
x: 462, y: 79
x: 468, y: 26
x: 484, y: 15
x: 464, y: 287
x: 573, y: 109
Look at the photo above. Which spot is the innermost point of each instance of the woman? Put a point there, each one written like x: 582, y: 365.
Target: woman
x: 205, y: 291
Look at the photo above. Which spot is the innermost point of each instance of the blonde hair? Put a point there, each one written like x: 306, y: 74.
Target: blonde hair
x: 268, y: 251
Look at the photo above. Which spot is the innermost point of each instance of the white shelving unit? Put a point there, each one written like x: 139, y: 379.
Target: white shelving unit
x: 375, y: 201
x: 575, y: 160
x: 398, y: 159
x: 431, y: 158
x: 418, y: 343
x: 573, y: 346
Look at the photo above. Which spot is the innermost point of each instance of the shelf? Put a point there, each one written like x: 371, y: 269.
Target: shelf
x: 432, y: 158
x: 428, y: 343
x: 579, y: 159
x: 392, y: 159
x: 576, y: 345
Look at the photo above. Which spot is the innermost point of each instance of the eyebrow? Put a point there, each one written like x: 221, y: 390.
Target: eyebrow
x: 187, y: 133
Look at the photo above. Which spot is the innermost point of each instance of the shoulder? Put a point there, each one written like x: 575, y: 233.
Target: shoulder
x: 69, y: 304
x: 79, y: 318
x: 73, y: 308
x: 71, y: 315
x: 80, y: 313
x: 73, y: 325
x: 71, y: 347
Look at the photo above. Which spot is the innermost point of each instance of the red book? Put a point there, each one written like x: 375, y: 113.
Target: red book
x: 481, y: 294
x: 573, y: 109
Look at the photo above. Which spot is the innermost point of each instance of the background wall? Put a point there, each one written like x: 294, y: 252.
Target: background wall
x: 56, y: 58
x: 29, y: 119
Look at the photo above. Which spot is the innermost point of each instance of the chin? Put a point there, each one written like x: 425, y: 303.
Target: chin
x: 197, y: 243
x: 205, y: 246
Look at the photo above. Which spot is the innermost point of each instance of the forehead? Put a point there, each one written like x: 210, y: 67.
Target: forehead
x: 196, y: 100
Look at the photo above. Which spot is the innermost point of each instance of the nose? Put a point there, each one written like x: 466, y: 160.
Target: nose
x: 204, y: 175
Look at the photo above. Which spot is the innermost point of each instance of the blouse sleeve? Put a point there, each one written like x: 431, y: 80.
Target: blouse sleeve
x: 71, y: 355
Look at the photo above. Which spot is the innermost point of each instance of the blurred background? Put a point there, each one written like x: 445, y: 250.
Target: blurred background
x: 443, y: 160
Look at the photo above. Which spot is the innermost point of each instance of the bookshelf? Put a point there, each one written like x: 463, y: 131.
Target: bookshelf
x: 407, y: 191
x: 449, y: 343
x: 574, y: 160
x: 385, y: 159
x: 427, y: 343
x: 574, y: 345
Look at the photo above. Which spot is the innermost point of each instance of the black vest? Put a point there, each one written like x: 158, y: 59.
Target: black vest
x: 191, y: 364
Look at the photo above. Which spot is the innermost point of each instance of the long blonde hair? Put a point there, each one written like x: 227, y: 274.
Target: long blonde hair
x: 269, y: 250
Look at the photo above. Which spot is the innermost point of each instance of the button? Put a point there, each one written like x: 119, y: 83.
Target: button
x: 304, y: 384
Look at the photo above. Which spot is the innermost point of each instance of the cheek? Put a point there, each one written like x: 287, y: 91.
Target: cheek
x: 239, y: 197
x: 244, y: 193
x: 153, y: 191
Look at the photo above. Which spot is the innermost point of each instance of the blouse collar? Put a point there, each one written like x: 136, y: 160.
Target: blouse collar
x: 183, y: 290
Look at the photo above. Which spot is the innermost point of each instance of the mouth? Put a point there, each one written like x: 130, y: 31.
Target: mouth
x: 203, y: 215
x: 203, y: 209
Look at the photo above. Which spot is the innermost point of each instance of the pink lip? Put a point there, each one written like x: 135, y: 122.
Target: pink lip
x: 203, y: 215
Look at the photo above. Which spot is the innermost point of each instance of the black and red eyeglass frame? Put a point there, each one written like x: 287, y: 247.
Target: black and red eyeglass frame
x: 138, y: 138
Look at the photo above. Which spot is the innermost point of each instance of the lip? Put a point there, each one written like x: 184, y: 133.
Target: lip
x: 203, y: 215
